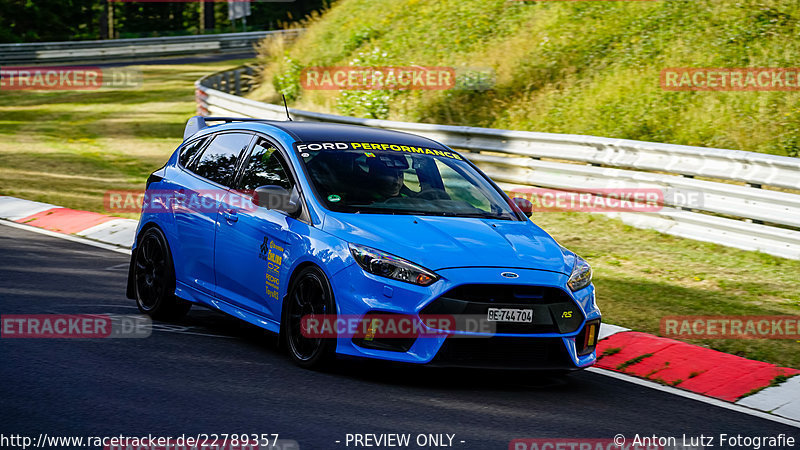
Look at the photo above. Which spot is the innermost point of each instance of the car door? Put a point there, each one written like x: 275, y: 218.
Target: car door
x: 206, y: 180
x: 252, y: 242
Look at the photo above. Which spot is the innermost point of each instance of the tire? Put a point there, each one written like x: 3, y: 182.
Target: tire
x: 154, y: 278
x: 310, y: 293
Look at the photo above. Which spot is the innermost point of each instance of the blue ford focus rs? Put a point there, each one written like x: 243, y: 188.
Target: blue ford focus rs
x: 283, y: 223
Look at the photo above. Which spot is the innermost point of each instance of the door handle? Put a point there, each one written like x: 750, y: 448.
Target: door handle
x: 230, y: 215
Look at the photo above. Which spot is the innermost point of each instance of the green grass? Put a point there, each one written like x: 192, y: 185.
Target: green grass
x: 779, y: 379
x: 69, y: 147
x: 579, y: 67
x: 632, y: 361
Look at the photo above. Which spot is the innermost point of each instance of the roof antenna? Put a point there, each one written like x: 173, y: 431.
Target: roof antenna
x: 286, y: 107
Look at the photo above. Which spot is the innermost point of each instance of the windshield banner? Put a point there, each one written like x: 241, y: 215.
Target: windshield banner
x: 370, y: 147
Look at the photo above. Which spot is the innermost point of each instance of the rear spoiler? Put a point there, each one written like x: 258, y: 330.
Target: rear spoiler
x: 197, y: 123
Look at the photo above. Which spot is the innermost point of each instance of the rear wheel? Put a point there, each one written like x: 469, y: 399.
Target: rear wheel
x: 309, y: 295
x: 154, y: 278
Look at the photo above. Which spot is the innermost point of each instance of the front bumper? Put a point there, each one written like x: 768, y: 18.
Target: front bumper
x: 547, y: 344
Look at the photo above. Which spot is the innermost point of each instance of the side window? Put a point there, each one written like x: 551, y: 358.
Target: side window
x: 266, y: 167
x: 189, y: 150
x: 218, y: 162
x: 461, y: 189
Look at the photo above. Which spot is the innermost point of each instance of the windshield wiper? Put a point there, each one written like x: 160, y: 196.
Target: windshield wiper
x: 497, y: 216
x: 359, y: 209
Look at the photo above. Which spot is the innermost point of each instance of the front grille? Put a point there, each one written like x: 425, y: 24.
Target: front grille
x: 504, y: 352
x: 554, y: 311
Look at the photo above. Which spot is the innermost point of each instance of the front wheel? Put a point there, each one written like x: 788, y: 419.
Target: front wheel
x: 309, y: 295
x: 154, y: 276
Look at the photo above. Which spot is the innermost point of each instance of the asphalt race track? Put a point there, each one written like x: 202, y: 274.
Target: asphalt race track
x: 210, y: 374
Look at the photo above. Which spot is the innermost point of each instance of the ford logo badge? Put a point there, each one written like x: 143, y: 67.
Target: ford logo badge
x: 509, y: 275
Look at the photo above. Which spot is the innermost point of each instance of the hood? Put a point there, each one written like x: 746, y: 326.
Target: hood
x: 447, y: 242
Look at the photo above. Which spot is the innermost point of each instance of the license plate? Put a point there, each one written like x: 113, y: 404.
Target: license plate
x: 510, y: 315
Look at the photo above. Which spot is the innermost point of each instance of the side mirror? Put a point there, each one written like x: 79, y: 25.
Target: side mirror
x: 278, y: 199
x: 524, y: 204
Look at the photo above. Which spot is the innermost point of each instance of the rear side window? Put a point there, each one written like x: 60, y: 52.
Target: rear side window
x: 190, y: 150
x: 265, y: 167
x: 218, y: 161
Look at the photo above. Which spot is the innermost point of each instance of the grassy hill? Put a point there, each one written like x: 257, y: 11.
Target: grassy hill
x: 585, y: 67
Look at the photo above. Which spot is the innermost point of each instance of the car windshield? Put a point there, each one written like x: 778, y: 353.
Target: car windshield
x: 383, y: 178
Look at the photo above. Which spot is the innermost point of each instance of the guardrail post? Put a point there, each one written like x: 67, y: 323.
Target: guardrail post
x: 231, y: 81
x: 248, y: 82
x: 237, y: 81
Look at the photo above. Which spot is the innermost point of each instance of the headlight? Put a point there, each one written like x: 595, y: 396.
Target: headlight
x: 390, y: 266
x: 581, y: 274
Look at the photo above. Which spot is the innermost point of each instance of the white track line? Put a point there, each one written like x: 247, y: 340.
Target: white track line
x: 693, y: 396
x: 68, y: 237
x: 115, y: 232
x: 608, y: 373
x: 13, y: 208
x: 782, y: 400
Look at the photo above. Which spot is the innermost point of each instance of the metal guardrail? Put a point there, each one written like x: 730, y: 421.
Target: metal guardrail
x: 131, y: 49
x: 733, y: 210
x: 237, y: 81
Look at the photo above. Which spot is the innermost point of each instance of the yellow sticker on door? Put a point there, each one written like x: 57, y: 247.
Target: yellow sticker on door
x: 272, y: 253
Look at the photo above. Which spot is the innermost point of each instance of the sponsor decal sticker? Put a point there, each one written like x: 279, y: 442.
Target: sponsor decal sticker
x: 272, y: 253
x: 369, y: 148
